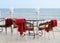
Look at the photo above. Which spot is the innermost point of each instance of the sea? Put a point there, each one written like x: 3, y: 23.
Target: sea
x: 30, y: 13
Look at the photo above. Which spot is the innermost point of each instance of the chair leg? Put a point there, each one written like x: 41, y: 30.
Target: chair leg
x: 53, y: 35
x: 29, y: 33
x: 49, y: 35
x: 34, y: 35
x: 1, y: 29
x: 6, y: 30
x: 11, y: 30
x: 41, y: 33
x: 44, y: 33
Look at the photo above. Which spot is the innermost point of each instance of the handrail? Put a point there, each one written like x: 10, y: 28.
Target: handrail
x: 36, y: 20
x: 2, y: 19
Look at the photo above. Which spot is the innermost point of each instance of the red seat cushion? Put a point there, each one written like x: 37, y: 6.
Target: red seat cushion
x: 28, y: 28
x: 47, y: 29
x: 9, y: 22
x: 54, y: 22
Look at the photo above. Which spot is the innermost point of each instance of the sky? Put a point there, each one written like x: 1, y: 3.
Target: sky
x: 29, y: 3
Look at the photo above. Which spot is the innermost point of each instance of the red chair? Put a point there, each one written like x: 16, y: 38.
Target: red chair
x: 8, y: 23
x: 20, y: 24
x: 53, y: 23
x: 23, y: 26
x: 42, y: 26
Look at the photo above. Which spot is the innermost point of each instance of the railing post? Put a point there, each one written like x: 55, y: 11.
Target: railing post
x: 37, y: 13
x: 11, y: 12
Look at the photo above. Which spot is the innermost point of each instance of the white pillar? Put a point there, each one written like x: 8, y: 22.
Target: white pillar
x: 37, y: 13
x: 11, y: 12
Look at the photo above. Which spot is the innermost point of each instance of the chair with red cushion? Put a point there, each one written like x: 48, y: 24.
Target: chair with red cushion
x: 53, y: 23
x: 23, y: 25
x: 8, y: 23
x: 20, y: 23
x: 30, y: 27
x: 43, y: 26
